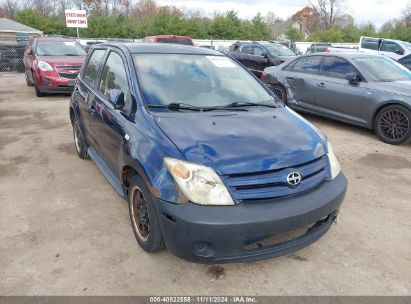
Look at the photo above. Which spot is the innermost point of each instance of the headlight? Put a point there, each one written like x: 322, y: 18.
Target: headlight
x: 334, y: 163
x: 44, y: 66
x: 200, y: 184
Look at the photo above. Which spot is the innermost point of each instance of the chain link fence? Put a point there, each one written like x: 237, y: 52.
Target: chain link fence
x: 11, y: 53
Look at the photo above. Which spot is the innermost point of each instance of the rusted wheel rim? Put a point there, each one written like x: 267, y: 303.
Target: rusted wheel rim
x: 139, y: 214
x: 394, y: 124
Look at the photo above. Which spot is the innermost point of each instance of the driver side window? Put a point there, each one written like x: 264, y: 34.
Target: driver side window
x: 114, y: 80
x: 258, y: 50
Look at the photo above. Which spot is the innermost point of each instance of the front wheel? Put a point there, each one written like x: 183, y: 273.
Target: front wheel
x: 37, y: 89
x: 143, y: 216
x: 393, y: 125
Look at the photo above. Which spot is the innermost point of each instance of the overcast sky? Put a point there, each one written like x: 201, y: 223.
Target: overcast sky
x: 363, y: 11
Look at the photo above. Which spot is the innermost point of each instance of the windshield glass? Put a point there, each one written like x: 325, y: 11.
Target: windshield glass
x: 59, y: 48
x: 407, y: 45
x: 279, y: 50
x: 196, y: 80
x: 175, y: 40
x: 383, y: 69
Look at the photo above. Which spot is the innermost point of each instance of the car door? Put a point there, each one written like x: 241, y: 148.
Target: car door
x: 29, y: 57
x: 391, y: 49
x: 336, y: 96
x: 109, y: 121
x: 300, y: 79
x: 246, y: 55
x: 85, y: 94
x: 260, y: 58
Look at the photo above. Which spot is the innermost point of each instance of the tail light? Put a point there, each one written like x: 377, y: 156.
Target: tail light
x: 327, y: 51
x: 262, y: 76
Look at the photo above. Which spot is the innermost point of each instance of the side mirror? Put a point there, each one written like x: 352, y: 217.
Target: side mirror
x: 117, y: 97
x: 399, y: 52
x: 353, y: 78
x: 265, y: 55
x: 30, y: 52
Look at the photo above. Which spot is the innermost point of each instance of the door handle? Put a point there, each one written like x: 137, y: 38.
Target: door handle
x: 290, y: 78
x: 92, y: 110
x: 321, y: 85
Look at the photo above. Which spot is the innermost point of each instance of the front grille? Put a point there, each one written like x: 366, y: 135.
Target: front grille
x: 273, y: 184
x: 68, y: 67
x: 68, y: 75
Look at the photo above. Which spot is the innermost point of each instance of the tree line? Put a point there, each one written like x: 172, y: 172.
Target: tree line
x: 326, y: 20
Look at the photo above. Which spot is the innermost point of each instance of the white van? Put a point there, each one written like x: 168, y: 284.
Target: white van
x: 388, y: 47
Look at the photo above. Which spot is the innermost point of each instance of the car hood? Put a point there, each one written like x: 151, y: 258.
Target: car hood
x: 241, y: 142
x: 395, y: 87
x: 62, y: 60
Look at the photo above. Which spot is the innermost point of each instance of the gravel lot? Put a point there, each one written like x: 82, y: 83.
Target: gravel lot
x: 64, y: 231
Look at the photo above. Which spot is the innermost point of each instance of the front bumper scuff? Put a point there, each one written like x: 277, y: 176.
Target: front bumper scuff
x: 219, y: 234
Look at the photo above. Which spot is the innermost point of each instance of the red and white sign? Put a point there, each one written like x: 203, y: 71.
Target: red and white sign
x: 76, y: 18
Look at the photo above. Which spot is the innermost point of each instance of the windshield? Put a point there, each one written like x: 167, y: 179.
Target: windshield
x: 382, y: 69
x: 175, y: 40
x: 59, y: 48
x: 197, y: 81
x: 407, y: 45
x: 279, y: 50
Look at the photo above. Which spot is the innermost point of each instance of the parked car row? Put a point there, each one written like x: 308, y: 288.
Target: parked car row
x: 214, y: 163
x: 370, y: 91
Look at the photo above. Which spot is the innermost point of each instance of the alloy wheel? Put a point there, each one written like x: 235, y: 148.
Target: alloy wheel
x: 394, y: 124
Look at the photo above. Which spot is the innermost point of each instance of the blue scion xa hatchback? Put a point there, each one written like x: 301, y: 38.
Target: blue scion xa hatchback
x: 214, y: 167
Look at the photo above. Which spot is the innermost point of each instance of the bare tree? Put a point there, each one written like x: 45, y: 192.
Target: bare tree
x: 330, y: 12
x: 271, y: 18
x: 406, y: 14
x: 144, y: 8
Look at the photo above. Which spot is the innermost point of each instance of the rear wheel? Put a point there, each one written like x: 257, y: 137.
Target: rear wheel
x: 143, y: 216
x: 79, y: 142
x: 393, y: 125
x: 280, y: 92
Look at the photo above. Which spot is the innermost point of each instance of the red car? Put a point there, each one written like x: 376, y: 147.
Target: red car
x: 52, y: 64
x: 187, y: 40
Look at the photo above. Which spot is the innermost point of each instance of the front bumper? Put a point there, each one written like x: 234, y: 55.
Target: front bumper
x: 51, y: 82
x: 220, y: 234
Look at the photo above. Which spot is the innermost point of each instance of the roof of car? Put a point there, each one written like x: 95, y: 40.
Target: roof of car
x: 162, y: 48
x: 344, y: 55
x: 55, y: 38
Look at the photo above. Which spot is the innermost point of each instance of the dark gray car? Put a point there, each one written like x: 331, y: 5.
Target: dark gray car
x: 370, y: 91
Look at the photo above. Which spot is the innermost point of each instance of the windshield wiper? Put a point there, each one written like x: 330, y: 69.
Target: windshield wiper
x: 174, y: 106
x: 249, y: 104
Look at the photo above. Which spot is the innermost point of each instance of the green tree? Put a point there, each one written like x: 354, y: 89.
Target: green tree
x: 293, y: 34
x: 32, y: 18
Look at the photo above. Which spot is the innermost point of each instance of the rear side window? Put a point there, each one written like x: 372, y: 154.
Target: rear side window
x: 91, y: 69
x: 309, y: 65
x: 369, y: 43
x: 337, y: 67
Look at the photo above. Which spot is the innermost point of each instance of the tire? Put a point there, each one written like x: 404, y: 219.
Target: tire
x: 280, y: 92
x: 79, y: 141
x: 393, y: 125
x: 143, y: 216
x: 37, y: 89
x: 28, y: 81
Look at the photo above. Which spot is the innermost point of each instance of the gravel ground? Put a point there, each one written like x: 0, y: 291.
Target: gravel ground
x: 64, y: 231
